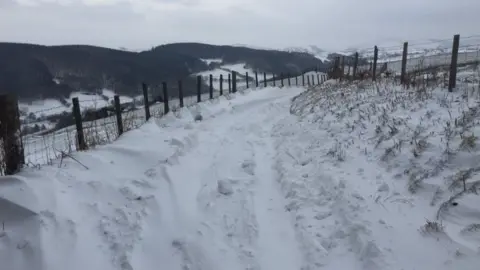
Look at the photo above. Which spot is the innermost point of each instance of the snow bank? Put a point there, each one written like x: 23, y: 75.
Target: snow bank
x: 380, y: 177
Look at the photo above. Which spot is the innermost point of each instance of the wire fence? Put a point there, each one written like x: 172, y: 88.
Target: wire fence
x: 51, y: 133
x: 420, y: 57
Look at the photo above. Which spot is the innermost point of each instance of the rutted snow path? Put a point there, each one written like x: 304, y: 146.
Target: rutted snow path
x: 236, y: 209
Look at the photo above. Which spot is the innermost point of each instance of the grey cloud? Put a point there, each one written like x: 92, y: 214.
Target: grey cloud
x: 330, y: 24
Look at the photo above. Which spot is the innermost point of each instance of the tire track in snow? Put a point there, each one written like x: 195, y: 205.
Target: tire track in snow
x: 277, y: 245
x: 225, y: 197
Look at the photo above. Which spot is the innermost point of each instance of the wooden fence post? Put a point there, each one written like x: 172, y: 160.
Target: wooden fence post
x: 145, y: 101
x: 355, y: 65
x: 166, y: 108
x: 289, y: 82
x: 296, y: 80
x: 14, y: 156
x: 264, y: 79
x: 256, y: 79
x: 199, y: 89
x: 343, y: 67
x: 210, y: 90
x: 180, y: 93
x: 234, y: 81
x: 453, y: 65
x: 81, y: 145
x: 303, y: 79
x: 229, y: 83
x: 375, y: 59
x: 404, y: 63
x: 221, y: 84
x: 247, y: 79
x: 281, y: 79
x: 308, y: 80
x: 273, y: 78
x: 336, y: 68
x: 118, y: 112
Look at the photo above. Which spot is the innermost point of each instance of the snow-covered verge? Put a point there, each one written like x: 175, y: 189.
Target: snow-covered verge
x: 384, y: 177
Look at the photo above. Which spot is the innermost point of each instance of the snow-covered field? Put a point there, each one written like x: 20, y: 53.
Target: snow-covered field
x: 47, y: 107
x: 224, y: 70
x: 362, y: 176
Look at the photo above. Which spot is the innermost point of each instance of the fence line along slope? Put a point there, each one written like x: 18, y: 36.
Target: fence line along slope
x: 50, y: 133
x: 414, y: 59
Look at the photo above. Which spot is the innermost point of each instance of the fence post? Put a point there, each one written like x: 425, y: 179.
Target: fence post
x: 210, y: 90
x: 145, y: 101
x: 199, y: 89
x: 318, y: 78
x: 256, y: 79
x: 375, y: 58
x: 308, y: 80
x: 166, y: 108
x: 14, y: 156
x: 296, y: 80
x: 234, y: 81
x: 303, y: 79
x: 343, y: 67
x: 355, y: 65
x: 118, y: 112
x: 221, y: 84
x: 453, y: 65
x: 180, y: 93
x: 229, y: 83
x: 273, y: 78
x: 246, y: 78
x: 281, y: 79
x: 264, y: 79
x: 289, y: 82
x: 336, y: 68
x: 403, y: 73
x: 81, y: 145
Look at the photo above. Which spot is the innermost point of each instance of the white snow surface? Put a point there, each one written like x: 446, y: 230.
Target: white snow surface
x: 174, y: 194
x: 278, y: 178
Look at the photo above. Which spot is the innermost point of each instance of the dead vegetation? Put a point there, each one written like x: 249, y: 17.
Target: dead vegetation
x: 419, y: 129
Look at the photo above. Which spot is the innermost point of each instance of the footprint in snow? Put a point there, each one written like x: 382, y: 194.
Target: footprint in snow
x: 248, y: 166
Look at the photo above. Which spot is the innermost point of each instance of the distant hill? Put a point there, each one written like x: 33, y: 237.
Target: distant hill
x: 270, y: 61
x: 37, y: 72
x: 34, y: 71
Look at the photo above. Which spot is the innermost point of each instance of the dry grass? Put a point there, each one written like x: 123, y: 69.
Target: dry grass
x: 381, y: 114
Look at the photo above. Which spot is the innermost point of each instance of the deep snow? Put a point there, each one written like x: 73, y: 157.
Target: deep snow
x: 174, y: 194
x: 278, y: 178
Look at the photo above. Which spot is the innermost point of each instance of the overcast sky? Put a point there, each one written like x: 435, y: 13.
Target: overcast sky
x: 141, y: 24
